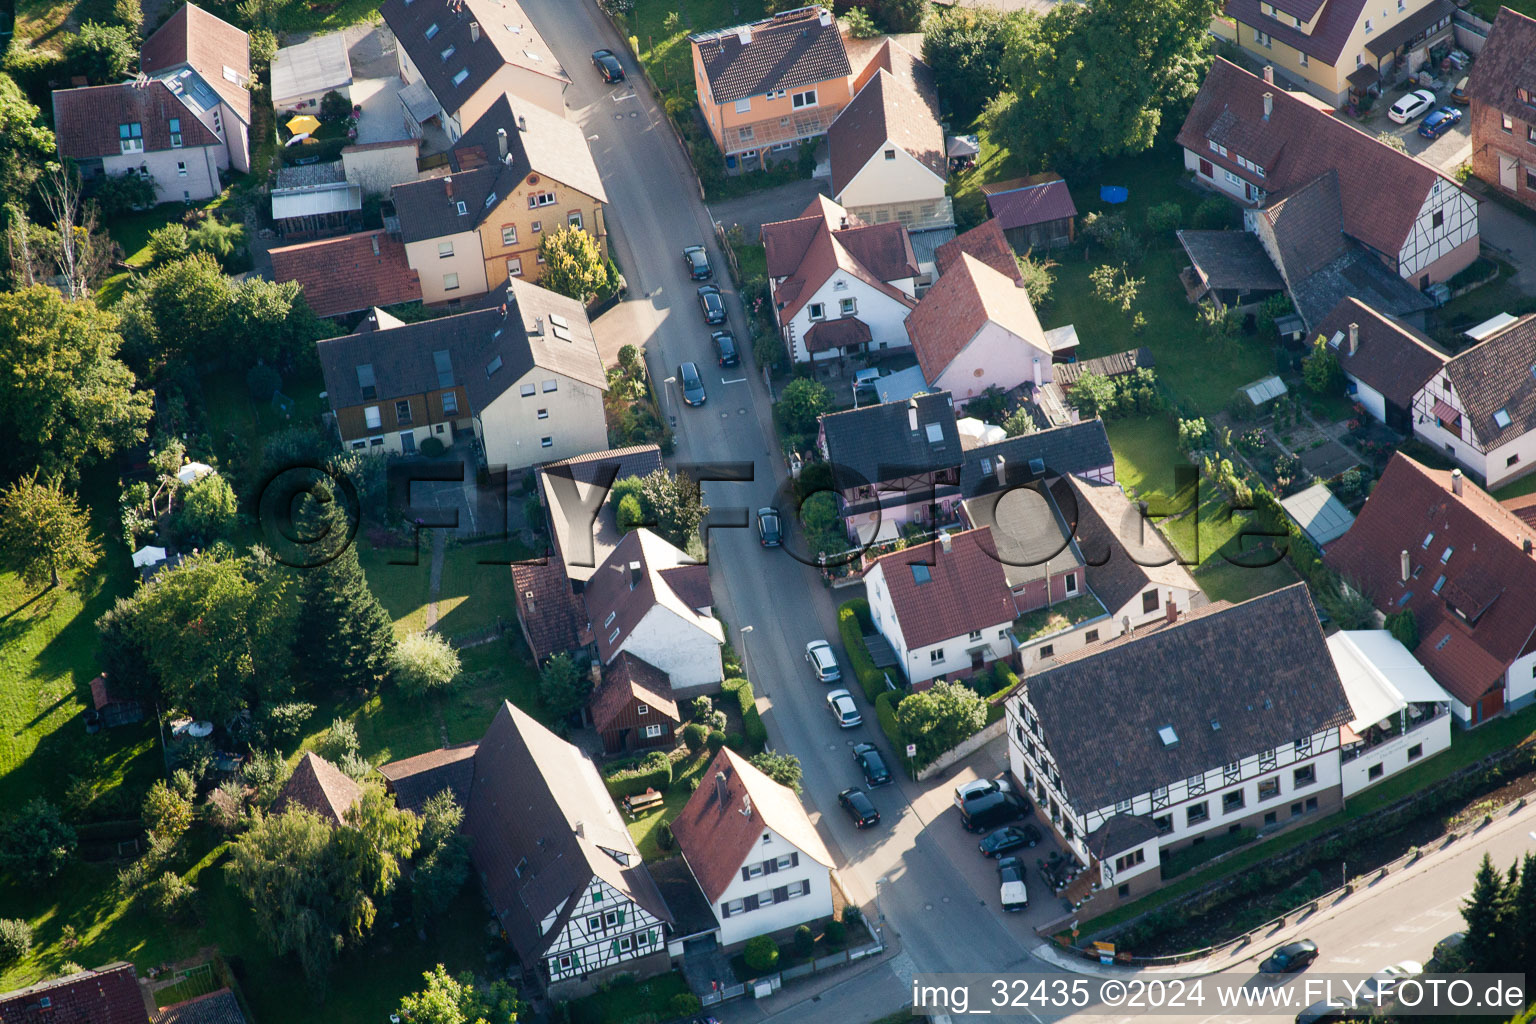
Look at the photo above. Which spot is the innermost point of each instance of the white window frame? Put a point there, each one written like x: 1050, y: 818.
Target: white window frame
x: 744, y: 105
x: 654, y: 731
x: 450, y: 282
x: 509, y: 234
x: 848, y: 306
x: 817, y: 311
x: 803, y: 100
x: 371, y: 418
x: 936, y: 655
x: 515, y: 266
x: 444, y: 250
x: 573, y: 219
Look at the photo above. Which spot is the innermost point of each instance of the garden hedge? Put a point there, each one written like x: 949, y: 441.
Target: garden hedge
x: 633, y: 777
x: 852, y: 617
x: 885, y: 711
x: 756, y: 733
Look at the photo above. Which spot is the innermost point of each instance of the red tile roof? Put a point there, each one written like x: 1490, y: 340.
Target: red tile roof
x: 1524, y: 507
x: 106, y: 995
x: 320, y: 786
x: 987, y: 243
x: 86, y: 120
x: 1390, y: 356
x: 1025, y: 201
x: 886, y: 111
x: 840, y: 333
x: 193, y: 36
x: 551, y: 615
x: 965, y: 589
x: 963, y: 301
x: 1505, y: 63
x: 804, y: 252
x: 346, y: 274
x: 1488, y: 577
x: 102, y: 695
x: 1380, y: 189
x: 726, y: 818
x: 630, y: 678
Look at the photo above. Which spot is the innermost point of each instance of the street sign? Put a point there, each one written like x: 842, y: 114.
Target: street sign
x: 911, y: 749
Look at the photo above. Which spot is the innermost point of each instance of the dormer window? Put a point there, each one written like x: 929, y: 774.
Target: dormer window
x: 1523, y: 95
x: 131, y: 137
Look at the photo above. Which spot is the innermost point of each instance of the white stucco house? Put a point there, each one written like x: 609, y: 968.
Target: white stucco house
x: 839, y: 286
x: 754, y: 852
x: 1385, y: 361
x: 650, y: 599
x: 886, y: 152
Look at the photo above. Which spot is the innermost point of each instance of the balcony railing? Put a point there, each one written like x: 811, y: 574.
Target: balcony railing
x: 1375, y: 736
x: 804, y: 124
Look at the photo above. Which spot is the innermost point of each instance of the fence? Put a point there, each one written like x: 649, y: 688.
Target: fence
x: 1471, y: 32
x: 963, y: 750
x: 776, y: 980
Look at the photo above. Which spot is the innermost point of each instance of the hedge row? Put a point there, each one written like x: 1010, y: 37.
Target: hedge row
x: 756, y: 733
x: 654, y: 771
x: 852, y: 618
x: 885, y: 711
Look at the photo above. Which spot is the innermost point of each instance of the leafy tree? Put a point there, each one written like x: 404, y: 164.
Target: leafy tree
x: 714, y: 741
x: 768, y: 349
x: 263, y: 45
x: 26, y: 146
x: 823, y: 527
x: 964, y: 46
x: 449, y: 1000
x: 224, y: 240
x: 940, y: 717
x: 781, y: 768
x: 1164, y: 218
x: 761, y: 953
x: 442, y: 862
x: 898, y: 15
x: 271, y: 321
x: 1092, y: 394
x: 629, y: 513
x: 675, y: 503
x: 1092, y: 82
x: 1320, y: 371
x: 209, y: 511
x: 169, y: 895
x: 262, y: 381
x: 563, y: 689
x: 15, y: 940
x: 335, y: 107
x: 169, y: 242
x: 1039, y: 278
x: 65, y: 398
x: 35, y: 843
x: 130, y: 15
x: 168, y: 809
x: 1486, y: 912
x: 283, y: 721
x: 344, y: 636
x: 117, y: 195
x: 1405, y: 628
x: 1114, y: 284
x: 573, y: 264
x: 858, y: 24
x: 181, y: 312
x: 804, y: 399
x: 103, y: 53
x: 43, y: 532
x: 805, y: 942
x: 423, y: 663
x: 1020, y: 422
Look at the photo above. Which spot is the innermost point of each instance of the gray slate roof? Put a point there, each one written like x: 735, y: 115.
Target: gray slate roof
x: 878, y: 443
x: 1231, y: 259
x: 1359, y: 274
x: 1073, y: 448
x: 786, y: 51
x: 1261, y: 669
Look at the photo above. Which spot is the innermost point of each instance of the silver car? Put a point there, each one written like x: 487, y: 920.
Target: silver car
x: 823, y: 661
x: 841, y: 704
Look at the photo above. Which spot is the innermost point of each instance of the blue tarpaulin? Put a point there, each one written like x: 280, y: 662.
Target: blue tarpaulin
x: 1112, y: 193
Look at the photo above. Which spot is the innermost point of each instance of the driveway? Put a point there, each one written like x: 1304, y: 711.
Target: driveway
x: 1514, y: 236
x: 1446, y: 153
x: 784, y: 202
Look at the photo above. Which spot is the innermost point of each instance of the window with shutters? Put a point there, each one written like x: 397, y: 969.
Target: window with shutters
x: 450, y: 403
x: 371, y: 416
x: 653, y: 731
x: 625, y: 944
x: 752, y: 871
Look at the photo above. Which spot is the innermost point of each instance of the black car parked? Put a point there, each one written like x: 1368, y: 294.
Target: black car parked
x: 711, y: 304
x: 1292, y: 956
x: 1009, y: 837
x: 725, y: 348
x: 867, y: 757
x: 857, y: 803
x: 608, y: 66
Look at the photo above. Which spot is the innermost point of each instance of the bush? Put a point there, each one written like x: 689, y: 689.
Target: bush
x: 654, y: 771
x: 694, y: 737
x: 755, y: 732
x: 1164, y: 217
x: 170, y: 242
x: 628, y: 513
x: 885, y: 713
x: 169, y: 895
x: 684, y: 1004
x: 714, y: 741
x: 805, y: 942
x: 761, y: 954
x: 1213, y: 213
x: 15, y: 940
x: 423, y: 663
x: 852, y: 915
x: 431, y: 447
x: 851, y: 616
x: 36, y: 843
x: 665, y: 840
x: 261, y: 380
x: 340, y: 741
x: 836, y: 933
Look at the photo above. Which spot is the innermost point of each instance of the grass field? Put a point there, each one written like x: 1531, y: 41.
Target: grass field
x: 665, y: 51
x: 643, y: 828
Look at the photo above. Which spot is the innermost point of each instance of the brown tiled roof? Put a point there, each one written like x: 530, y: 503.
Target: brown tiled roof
x: 629, y: 678
x: 1328, y: 36
x: 551, y: 615
x: 1380, y: 189
x: 633, y: 580
x: 415, y: 780
x: 804, y: 252
x: 346, y: 274
x: 102, y: 695
x: 987, y: 243
x: 541, y: 825
x: 86, y: 120
x: 893, y: 57
x: 1524, y: 508
x: 1506, y: 62
x: 1034, y: 200
x: 1412, y: 503
x: 961, y: 302
x: 1259, y: 669
x: 1125, y: 553
x: 218, y: 1007
x: 830, y: 334
x: 787, y: 51
x: 1391, y: 357
x: 965, y: 589
x: 320, y: 786
x: 727, y: 815
x: 1308, y: 223
x: 106, y: 995
x: 884, y: 112
x: 1499, y: 374
x: 209, y: 45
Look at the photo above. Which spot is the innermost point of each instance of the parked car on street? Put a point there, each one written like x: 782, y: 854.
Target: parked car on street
x: 1328, y: 1011
x: 1384, y: 982
x: 1440, y: 122
x: 1009, y: 837
x: 692, y: 383
x: 1459, y: 92
x: 859, y: 807
x: 1292, y: 956
x: 725, y: 348
x: 696, y: 259
x: 608, y: 66
x: 711, y: 304
x: 867, y: 757
x: 966, y: 792
x: 1411, y: 105
x: 769, y: 532
x: 844, y: 710
x: 823, y: 661
x: 1447, y: 953
x: 1010, y: 877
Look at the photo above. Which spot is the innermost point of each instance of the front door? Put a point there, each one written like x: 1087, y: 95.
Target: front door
x: 408, y: 442
x: 1509, y: 169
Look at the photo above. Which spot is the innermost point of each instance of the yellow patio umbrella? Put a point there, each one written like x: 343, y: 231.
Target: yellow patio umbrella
x: 303, y: 124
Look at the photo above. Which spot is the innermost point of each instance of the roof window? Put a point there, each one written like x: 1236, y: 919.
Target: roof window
x: 1443, y: 641
x: 448, y: 53
x: 1445, y: 556
x: 1438, y: 584
x: 935, y: 434
x: 1168, y: 736
x: 463, y: 210
x: 1427, y: 538
x: 458, y: 79
x: 432, y: 30
x: 920, y: 574
x: 492, y: 366
x: 1501, y: 418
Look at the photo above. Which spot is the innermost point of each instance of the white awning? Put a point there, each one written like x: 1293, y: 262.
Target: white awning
x: 1488, y: 328
x: 317, y: 200
x: 1380, y: 676
x: 148, y: 555
x: 192, y: 472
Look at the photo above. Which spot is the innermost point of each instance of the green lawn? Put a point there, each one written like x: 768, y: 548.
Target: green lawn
x: 643, y: 827
x: 132, y: 231
x: 630, y: 1000
x: 1467, y: 747
x: 752, y: 261
x: 1525, y: 485
x: 665, y: 52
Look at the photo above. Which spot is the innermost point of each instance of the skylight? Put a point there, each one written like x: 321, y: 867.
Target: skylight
x: 1168, y: 736
x: 1443, y: 641
x: 935, y: 434
x: 1446, y: 555
x: 1427, y: 538
x: 432, y: 30
x: 489, y: 200
x: 1502, y: 418
x: 463, y: 210
x: 458, y: 79
x: 1438, y: 584
x: 920, y: 574
x: 448, y: 52
x: 492, y: 366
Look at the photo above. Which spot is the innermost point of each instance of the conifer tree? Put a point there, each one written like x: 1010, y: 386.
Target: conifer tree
x: 344, y: 636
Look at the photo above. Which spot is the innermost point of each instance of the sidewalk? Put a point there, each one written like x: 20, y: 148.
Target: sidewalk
x: 1510, y: 821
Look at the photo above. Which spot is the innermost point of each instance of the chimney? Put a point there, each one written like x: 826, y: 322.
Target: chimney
x: 1403, y: 558
x: 746, y: 805
x: 1037, y: 371
x: 1002, y: 476
x: 945, y: 543
x: 1456, y: 482
x: 537, y: 330
x: 826, y: 17
x: 501, y: 142
x: 842, y: 225
x: 634, y: 575
x: 1354, y: 338
x: 744, y: 34
x: 1269, y: 74
x: 448, y: 185
x: 375, y: 241
x: 1269, y: 104
x: 1125, y: 625
x: 912, y: 414
x: 1171, y: 610
x: 720, y: 786
x: 522, y: 123
x: 474, y: 31
x: 1526, y: 546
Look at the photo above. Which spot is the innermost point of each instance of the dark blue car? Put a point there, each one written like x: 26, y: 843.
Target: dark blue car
x: 1439, y: 122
